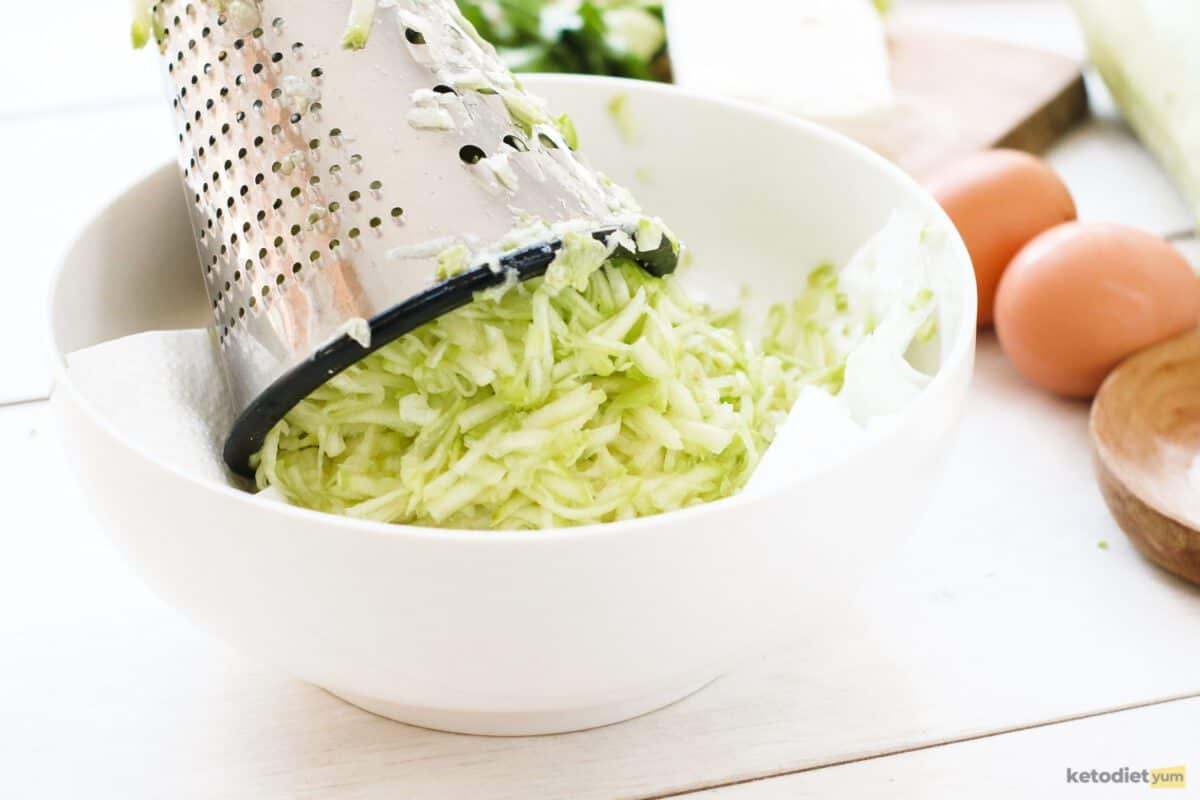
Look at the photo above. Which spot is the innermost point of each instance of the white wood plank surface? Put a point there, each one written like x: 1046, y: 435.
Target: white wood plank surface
x: 1031, y: 763
x: 70, y: 56
x: 59, y: 171
x: 1003, y: 612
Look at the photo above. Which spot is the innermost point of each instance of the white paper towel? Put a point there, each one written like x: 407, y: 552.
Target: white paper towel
x: 165, y: 392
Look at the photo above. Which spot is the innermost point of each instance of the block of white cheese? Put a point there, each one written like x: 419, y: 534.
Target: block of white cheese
x: 825, y: 59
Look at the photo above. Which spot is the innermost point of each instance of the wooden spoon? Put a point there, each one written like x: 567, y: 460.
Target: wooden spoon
x: 1145, y: 427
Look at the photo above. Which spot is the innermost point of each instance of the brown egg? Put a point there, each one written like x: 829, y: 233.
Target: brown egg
x: 999, y: 200
x: 1080, y: 298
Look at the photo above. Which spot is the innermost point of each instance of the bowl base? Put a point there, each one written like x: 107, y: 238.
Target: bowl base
x: 523, y: 723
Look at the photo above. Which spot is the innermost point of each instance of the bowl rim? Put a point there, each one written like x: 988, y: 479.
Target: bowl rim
x: 960, y: 349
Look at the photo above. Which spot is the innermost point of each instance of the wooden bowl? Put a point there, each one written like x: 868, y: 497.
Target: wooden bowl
x: 1145, y: 427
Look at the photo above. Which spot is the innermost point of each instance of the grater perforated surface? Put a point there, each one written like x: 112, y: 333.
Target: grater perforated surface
x: 324, y: 182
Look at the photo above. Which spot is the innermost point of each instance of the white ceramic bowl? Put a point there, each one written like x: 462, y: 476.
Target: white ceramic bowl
x: 518, y: 633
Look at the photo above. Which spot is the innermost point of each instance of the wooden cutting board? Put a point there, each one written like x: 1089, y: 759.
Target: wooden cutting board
x: 959, y: 94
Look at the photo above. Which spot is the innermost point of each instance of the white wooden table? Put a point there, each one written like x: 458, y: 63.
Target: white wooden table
x: 1017, y: 637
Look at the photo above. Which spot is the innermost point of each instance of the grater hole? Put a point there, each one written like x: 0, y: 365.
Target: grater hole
x: 315, y: 255
x: 276, y: 57
x: 334, y: 207
x: 516, y: 143
x: 414, y: 36
x: 547, y: 141
x: 354, y: 233
x: 354, y: 196
x: 376, y: 185
x: 376, y: 222
x: 295, y: 191
x: 470, y: 154
x: 442, y: 88
x: 397, y: 212
x: 296, y: 268
x: 279, y: 279
x: 317, y: 72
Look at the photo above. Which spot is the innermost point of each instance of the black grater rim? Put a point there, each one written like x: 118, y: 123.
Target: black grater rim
x: 250, y: 429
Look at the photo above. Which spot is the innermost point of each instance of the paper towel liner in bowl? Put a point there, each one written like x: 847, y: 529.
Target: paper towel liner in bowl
x: 325, y: 177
